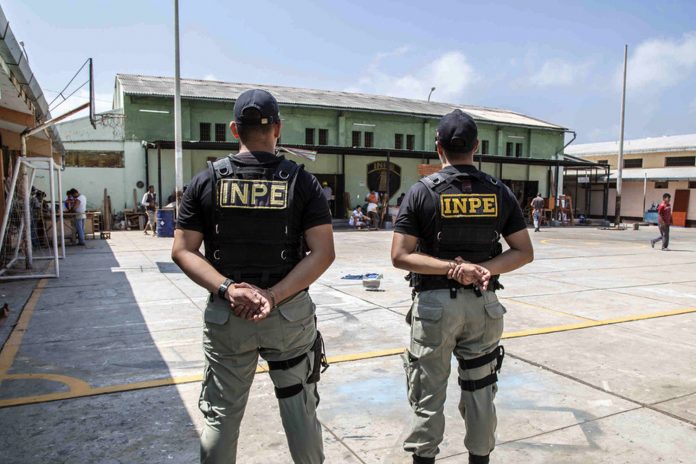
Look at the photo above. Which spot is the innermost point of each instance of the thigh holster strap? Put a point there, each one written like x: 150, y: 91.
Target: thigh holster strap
x: 496, y: 355
x: 473, y: 385
x: 287, y: 364
x: 287, y: 392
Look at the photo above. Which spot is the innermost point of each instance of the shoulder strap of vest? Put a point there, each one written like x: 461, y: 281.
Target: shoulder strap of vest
x: 223, y: 167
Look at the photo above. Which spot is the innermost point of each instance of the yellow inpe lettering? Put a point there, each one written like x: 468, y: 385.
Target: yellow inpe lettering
x: 474, y: 204
x: 277, y: 195
x: 446, y: 205
x: 489, y: 205
x: 258, y: 191
x: 240, y: 194
x: 459, y: 205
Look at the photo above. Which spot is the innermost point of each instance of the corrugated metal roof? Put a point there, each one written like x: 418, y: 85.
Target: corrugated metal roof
x: 680, y: 173
x: 671, y: 143
x: 291, y: 96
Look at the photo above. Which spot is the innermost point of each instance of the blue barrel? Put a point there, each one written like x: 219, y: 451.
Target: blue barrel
x: 165, y: 222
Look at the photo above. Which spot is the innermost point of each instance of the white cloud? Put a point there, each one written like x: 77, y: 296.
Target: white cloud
x: 556, y: 72
x: 210, y: 77
x: 450, y: 74
x: 661, y: 63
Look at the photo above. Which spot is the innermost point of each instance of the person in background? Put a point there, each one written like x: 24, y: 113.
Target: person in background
x: 664, y: 219
x: 80, y: 210
x: 149, y: 201
x: 69, y: 201
x: 537, y: 206
x: 358, y: 219
x: 373, y: 208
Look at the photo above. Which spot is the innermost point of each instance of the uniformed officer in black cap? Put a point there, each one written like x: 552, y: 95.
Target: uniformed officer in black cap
x: 447, y: 235
x: 267, y: 232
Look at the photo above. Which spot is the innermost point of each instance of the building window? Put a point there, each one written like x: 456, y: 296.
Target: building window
x: 369, y: 139
x: 605, y: 162
x: 94, y: 159
x: 680, y: 161
x: 309, y: 136
x: 356, y: 138
x: 692, y: 184
x: 633, y: 163
x: 205, y: 132
x: 399, y: 141
x: 508, y: 149
x: 410, y: 141
x: 220, y: 132
x: 662, y: 184
x: 518, y: 150
x: 323, y: 136
x: 484, y: 147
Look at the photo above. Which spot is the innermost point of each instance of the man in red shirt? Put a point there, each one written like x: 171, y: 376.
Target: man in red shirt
x: 664, y: 219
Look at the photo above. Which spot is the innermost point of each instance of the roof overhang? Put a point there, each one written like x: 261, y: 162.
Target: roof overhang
x: 19, y: 89
x: 677, y: 173
x: 355, y: 151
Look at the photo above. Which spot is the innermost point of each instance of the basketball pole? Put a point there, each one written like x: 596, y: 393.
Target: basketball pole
x: 178, y: 154
x: 619, y: 172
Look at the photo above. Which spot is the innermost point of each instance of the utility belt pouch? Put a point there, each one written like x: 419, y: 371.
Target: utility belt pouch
x: 320, y: 361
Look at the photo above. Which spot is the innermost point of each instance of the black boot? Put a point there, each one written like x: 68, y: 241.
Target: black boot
x: 422, y: 460
x: 474, y: 459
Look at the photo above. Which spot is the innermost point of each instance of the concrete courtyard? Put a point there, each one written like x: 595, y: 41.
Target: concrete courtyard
x: 103, y: 365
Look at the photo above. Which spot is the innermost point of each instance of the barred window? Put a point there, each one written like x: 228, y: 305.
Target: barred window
x: 484, y: 147
x: 323, y: 136
x: 410, y: 141
x: 633, y: 163
x: 204, y: 132
x: 309, y: 136
x: 399, y: 141
x: 680, y: 161
x: 94, y: 159
x: 518, y: 150
x: 356, y: 138
x: 220, y: 132
x: 369, y: 139
x: 508, y: 149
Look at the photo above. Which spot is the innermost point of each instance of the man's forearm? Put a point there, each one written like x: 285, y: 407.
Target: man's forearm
x: 507, y: 261
x: 303, y: 275
x: 198, y: 269
x: 422, y: 264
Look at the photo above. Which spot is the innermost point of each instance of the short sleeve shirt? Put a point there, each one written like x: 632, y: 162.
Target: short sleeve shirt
x: 665, y: 212
x: 418, y: 212
x: 197, y: 210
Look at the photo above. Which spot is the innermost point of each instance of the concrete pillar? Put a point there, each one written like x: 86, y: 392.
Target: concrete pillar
x: 342, y: 131
x: 426, y: 136
x: 500, y: 142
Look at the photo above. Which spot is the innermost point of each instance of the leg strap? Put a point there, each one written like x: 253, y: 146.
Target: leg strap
x: 292, y: 390
x: 497, y: 354
x: 287, y: 392
x: 287, y: 364
x: 472, y: 385
x: 421, y: 460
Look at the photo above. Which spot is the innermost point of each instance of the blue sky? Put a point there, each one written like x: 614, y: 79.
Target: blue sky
x: 558, y: 61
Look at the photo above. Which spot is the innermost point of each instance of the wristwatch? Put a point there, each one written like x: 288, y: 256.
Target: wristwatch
x: 222, y: 289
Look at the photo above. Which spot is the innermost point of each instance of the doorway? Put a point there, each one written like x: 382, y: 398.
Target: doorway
x: 680, y: 209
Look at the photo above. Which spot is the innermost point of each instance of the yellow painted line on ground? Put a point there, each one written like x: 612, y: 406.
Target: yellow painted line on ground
x: 589, y: 324
x: 561, y: 313
x: 9, y: 351
x: 335, y: 360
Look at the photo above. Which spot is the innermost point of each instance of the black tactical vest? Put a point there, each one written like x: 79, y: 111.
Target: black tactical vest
x: 253, y: 237
x: 468, y: 213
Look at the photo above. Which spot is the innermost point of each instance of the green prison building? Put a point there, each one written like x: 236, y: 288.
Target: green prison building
x: 362, y: 142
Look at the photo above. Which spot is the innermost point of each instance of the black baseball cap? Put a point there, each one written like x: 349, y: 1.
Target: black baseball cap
x: 457, y: 132
x: 261, y: 100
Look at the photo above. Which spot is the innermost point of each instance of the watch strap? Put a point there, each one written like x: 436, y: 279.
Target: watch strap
x: 222, y: 289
